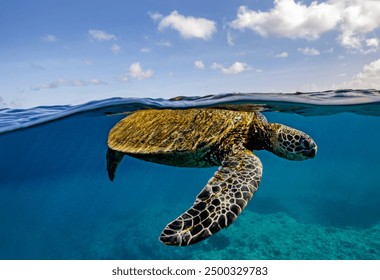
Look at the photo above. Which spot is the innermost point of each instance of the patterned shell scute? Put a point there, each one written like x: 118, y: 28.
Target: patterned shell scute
x: 172, y: 131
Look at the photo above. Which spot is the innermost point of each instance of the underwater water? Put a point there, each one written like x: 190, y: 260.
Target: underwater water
x: 56, y: 201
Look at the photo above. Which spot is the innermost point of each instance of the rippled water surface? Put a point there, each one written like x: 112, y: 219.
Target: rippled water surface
x: 56, y: 201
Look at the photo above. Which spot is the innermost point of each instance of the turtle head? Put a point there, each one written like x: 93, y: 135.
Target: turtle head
x: 291, y: 143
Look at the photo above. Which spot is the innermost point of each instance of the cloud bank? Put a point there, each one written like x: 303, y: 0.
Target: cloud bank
x: 289, y: 19
x: 68, y: 83
x: 353, y: 19
x: 367, y: 78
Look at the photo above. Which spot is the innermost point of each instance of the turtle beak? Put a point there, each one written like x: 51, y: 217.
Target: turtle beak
x: 311, y: 153
x: 309, y: 147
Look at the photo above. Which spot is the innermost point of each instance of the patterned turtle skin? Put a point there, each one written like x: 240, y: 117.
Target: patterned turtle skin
x: 206, y: 137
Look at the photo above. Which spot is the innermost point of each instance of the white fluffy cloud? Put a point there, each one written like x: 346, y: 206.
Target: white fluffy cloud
x: 188, y: 27
x: 164, y: 43
x: 354, y: 19
x: 236, y: 68
x: 116, y: 49
x: 156, y: 16
x: 68, y: 83
x: 373, y: 42
x: 309, y: 51
x: 199, y: 64
x: 282, y: 55
x: 359, y: 18
x: 145, y: 50
x: 100, y: 35
x: 230, y: 40
x: 367, y: 78
x: 136, y: 72
x: 49, y: 38
x: 289, y: 19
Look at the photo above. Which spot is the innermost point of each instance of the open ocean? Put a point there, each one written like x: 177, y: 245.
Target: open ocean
x: 56, y: 201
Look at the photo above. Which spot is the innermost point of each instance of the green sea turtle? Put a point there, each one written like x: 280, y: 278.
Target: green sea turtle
x: 206, y: 137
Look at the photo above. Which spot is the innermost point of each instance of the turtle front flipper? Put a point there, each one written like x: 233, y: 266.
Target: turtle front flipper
x: 113, y: 160
x: 219, y: 203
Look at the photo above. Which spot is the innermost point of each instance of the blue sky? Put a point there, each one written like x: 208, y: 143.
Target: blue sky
x: 69, y: 52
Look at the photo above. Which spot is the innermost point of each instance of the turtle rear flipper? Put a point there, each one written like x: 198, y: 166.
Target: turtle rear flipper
x: 113, y: 160
x: 219, y: 203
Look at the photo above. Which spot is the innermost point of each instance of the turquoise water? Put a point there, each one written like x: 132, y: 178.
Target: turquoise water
x: 56, y: 201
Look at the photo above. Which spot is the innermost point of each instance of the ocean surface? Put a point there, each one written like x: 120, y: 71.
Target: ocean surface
x: 56, y: 201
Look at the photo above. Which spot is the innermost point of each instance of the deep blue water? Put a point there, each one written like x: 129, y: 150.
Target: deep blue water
x: 56, y: 201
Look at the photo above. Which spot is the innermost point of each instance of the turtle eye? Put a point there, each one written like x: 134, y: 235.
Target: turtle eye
x: 305, y: 143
